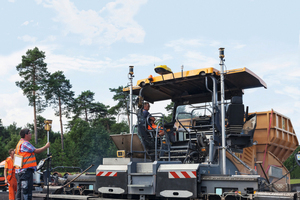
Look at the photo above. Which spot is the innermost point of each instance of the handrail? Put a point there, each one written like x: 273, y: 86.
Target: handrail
x: 131, y: 139
x: 160, y: 115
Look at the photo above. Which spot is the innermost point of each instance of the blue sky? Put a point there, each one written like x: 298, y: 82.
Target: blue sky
x: 94, y: 42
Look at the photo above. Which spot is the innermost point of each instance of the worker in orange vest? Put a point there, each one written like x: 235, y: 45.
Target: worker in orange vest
x: 9, y: 175
x: 24, y: 174
x: 150, y: 122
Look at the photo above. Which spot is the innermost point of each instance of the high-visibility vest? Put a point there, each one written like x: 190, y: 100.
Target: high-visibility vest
x: 28, y: 158
x: 10, y: 168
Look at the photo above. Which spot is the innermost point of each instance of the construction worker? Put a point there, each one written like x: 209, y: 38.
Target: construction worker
x: 9, y: 175
x: 151, y: 124
x: 24, y: 174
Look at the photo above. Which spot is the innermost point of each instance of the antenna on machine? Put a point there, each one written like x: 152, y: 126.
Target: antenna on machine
x: 130, y: 77
x: 221, y: 56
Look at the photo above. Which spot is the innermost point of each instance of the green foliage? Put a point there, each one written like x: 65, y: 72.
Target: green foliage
x: 94, y: 145
x: 59, y: 156
x: 295, y: 181
x: 98, y: 110
x: 105, y: 122
x: 86, y: 145
x: 34, y: 72
x: 12, y: 143
x: 170, y: 110
x: 9, y: 139
x: 13, y: 129
x: 83, y: 104
x: 3, y: 150
x: 118, y: 128
x: 4, y: 133
x: 93, y: 112
x: 123, y: 101
x: 58, y: 92
x: 291, y: 162
x: 39, y: 127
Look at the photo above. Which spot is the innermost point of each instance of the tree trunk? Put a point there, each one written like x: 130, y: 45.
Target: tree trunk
x: 35, y: 123
x: 86, y: 117
x: 34, y: 109
x: 61, y: 125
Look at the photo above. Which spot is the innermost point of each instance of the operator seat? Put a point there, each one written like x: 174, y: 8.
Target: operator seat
x: 235, y: 115
x: 167, y: 127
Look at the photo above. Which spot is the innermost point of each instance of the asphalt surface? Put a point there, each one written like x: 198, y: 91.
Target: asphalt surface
x: 4, y: 196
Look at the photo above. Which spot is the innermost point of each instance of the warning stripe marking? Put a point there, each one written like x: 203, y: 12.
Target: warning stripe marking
x: 111, y: 174
x: 183, y: 174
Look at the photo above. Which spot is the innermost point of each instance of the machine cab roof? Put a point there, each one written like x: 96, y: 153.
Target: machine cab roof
x: 193, y: 86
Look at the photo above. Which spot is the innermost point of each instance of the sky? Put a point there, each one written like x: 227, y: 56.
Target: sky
x: 93, y: 42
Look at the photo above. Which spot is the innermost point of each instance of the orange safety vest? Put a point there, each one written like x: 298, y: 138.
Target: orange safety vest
x: 28, y: 158
x: 10, y: 167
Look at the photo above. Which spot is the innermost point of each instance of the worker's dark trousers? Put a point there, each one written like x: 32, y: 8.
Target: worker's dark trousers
x: 25, y: 184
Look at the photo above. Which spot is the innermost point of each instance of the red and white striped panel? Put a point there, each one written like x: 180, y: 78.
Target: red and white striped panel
x: 101, y: 173
x: 183, y: 174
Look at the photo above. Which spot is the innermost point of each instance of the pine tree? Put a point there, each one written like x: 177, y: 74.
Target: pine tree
x: 33, y: 71
x: 58, y: 94
x: 82, y: 104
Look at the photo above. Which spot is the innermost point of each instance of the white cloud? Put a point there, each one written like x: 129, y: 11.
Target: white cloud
x: 275, y: 70
x: 197, y: 60
x: 12, y: 1
x: 182, y: 44
x: 62, y: 62
x: 50, y: 38
x: 114, y: 22
x: 187, y: 44
x: 292, y: 91
x: 27, y: 38
x: 56, y: 62
x: 14, y: 78
x: 141, y: 60
x: 215, y: 43
x: 22, y: 113
x: 239, y: 46
x: 10, y: 112
x: 192, y: 56
x: 25, y: 23
x: 9, y: 62
x: 38, y: 1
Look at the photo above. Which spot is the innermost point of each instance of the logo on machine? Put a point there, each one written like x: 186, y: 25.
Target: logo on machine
x: 183, y: 174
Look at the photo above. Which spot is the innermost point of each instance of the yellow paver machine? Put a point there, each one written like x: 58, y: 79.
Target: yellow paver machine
x: 212, y: 148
